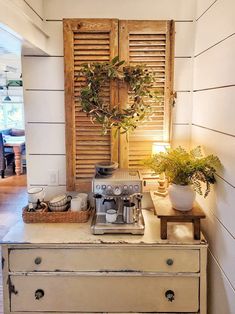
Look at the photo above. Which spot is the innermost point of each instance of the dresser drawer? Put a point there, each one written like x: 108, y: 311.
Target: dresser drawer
x: 108, y: 293
x: 102, y: 259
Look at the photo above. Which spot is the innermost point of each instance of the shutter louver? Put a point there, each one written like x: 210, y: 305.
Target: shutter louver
x: 148, y: 43
x: 92, y: 41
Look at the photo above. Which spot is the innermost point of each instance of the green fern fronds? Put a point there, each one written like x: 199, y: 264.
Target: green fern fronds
x: 184, y: 168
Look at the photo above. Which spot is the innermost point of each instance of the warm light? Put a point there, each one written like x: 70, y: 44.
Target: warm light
x: 159, y: 147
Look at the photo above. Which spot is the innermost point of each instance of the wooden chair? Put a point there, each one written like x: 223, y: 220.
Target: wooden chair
x: 6, y: 158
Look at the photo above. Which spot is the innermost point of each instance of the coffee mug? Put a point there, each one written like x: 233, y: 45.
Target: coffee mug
x: 84, y: 197
x: 77, y: 204
x: 111, y: 215
x: 35, y: 194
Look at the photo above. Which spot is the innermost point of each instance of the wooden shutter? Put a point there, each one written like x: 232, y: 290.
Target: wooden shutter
x: 149, y: 43
x: 86, y: 40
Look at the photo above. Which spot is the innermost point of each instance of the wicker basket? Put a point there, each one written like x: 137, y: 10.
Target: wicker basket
x: 57, y: 217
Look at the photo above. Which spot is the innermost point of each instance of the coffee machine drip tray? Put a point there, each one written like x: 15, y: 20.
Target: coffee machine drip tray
x: 100, y: 226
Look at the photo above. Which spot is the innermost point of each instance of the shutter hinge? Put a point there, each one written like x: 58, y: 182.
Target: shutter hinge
x: 3, y: 262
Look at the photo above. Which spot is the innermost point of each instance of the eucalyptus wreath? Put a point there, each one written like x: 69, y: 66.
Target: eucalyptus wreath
x: 100, y: 74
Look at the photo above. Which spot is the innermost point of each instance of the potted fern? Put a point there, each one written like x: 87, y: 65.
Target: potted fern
x: 186, y: 172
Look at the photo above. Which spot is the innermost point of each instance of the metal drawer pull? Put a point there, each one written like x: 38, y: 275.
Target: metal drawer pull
x: 39, y: 294
x: 170, y: 261
x: 170, y: 295
x: 38, y: 260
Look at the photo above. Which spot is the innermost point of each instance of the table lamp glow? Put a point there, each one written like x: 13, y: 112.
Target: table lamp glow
x: 162, y: 182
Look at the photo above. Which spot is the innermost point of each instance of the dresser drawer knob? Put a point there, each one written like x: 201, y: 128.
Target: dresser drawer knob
x: 39, y: 294
x: 170, y: 261
x: 170, y: 295
x: 38, y: 260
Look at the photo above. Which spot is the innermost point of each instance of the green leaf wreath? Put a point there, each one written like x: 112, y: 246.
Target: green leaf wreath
x: 99, y: 74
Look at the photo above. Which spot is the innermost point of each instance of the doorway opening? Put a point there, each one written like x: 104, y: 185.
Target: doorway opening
x: 13, y: 164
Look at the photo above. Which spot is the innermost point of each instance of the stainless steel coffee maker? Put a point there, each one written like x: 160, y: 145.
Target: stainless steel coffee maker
x: 118, y: 201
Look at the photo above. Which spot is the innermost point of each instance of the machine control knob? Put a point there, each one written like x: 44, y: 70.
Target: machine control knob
x: 97, y: 187
x: 103, y: 187
x: 125, y: 187
x: 109, y: 190
x: 117, y: 190
x: 136, y: 187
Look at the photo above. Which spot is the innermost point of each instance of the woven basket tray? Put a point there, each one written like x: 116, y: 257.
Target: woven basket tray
x: 57, y: 217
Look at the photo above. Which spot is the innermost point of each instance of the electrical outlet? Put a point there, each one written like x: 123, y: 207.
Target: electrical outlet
x: 53, y: 176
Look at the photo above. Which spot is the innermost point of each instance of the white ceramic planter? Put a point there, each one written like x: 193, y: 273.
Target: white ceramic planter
x: 182, y: 197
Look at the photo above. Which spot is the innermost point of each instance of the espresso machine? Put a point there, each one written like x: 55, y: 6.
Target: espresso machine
x: 118, y: 203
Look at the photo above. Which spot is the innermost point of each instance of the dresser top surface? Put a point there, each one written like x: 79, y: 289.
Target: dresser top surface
x: 80, y: 233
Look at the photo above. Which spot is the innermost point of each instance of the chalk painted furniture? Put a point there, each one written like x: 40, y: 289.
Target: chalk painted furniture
x: 63, y: 268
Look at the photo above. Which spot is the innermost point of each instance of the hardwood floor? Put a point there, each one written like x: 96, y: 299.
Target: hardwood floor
x: 13, y: 196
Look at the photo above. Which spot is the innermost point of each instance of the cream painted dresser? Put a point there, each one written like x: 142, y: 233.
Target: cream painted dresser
x: 63, y: 268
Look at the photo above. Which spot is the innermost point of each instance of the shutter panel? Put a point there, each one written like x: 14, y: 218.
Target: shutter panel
x: 148, y: 43
x: 87, y: 41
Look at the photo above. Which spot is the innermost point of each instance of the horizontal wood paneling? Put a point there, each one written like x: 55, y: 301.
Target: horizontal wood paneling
x: 219, y: 144
x: 181, y: 135
x: 182, y: 111
x: 43, y: 73
x: 215, y: 109
x: 37, y: 6
x: 44, y: 106
x: 221, y: 244
x: 45, y: 139
x: 184, y: 39
x: 208, y: 32
x: 55, y: 42
x: 183, y: 74
x: 220, y: 292
x: 25, y: 7
x: 216, y: 67
x: 221, y: 202
x: 149, y: 9
x: 202, y: 6
x: 40, y: 173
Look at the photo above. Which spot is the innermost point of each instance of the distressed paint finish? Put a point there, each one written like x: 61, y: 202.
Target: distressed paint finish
x: 75, y: 266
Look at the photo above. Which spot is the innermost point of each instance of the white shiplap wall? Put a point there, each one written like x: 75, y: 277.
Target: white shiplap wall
x: 24, y: 20
x: 213, y: 127
x: 44, y: 79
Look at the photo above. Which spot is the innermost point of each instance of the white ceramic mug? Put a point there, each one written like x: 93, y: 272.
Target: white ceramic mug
x: 84, y: 197
x: 35, y: 194
x: 111, y: 215
x: 77, y: 204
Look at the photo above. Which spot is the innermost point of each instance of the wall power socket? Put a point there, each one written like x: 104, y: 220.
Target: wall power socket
x: 53, y: 177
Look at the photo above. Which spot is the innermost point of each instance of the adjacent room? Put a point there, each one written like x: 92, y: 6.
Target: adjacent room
x: 117, y: 156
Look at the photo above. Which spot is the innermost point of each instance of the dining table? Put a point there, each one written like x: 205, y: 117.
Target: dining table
x: 17, y: 143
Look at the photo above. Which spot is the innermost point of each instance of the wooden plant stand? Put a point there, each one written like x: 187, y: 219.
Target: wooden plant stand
x: 166, y: 213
